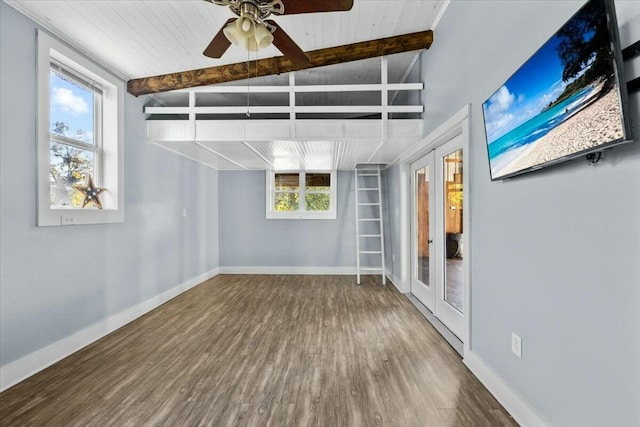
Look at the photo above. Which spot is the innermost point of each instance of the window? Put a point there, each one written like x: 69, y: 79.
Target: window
x: 301, y: 195
x: 74, y: 134
x: 80, y: 135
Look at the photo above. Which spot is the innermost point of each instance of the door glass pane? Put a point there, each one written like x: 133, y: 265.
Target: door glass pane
x: 453, y: 196
x: 422, y: 218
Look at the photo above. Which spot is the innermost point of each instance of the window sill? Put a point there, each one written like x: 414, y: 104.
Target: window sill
x: 71, y: 216
x: 301, y: 215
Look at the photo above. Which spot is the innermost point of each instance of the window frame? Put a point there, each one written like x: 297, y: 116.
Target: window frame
x: 108, y: 147
x: 301, y: 213
x: 96, y: 148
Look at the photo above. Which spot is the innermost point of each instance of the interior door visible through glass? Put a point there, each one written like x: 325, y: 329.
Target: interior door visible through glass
x: 422, y: 224
x: 454, y: 242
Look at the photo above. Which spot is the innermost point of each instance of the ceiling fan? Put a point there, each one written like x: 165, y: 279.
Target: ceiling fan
x: 253, y: 31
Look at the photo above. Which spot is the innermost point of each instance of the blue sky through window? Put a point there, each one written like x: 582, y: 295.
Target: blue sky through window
x: 71, y: 104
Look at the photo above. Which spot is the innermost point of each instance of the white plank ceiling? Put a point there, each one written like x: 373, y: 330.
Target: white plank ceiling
x: 140, y: 38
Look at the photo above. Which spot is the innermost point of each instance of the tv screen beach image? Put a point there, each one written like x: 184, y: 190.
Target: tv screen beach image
x: 563, y: 100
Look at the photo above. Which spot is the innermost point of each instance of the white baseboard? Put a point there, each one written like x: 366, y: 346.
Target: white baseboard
x: 397, y: 283
x: 18, y: 370
x: 333, y: 271
x: 519, y: 409
x: 448, y: 336
x: 391, y: 279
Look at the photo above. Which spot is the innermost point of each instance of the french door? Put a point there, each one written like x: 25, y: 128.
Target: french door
x: 437, y: 248
x: 423, y: 231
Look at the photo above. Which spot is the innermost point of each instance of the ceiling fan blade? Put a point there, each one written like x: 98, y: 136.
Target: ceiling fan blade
x: 287, y: 46
x: 292, y: 7
x: 219, y: 44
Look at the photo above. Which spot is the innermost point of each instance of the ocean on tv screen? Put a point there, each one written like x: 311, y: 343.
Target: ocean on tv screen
x: 564, y: 100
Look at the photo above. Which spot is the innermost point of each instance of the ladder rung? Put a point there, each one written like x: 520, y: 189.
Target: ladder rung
x: 367, y: 174
x: 370, y: 235
x: 369, y: 219
x: 368, y: 204
x: 371, y: 268
x: 367, y: 189
x: 370, y: 252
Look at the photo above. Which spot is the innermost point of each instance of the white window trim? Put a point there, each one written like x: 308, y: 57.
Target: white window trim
x: 111, y: 167
x: 302, y: 214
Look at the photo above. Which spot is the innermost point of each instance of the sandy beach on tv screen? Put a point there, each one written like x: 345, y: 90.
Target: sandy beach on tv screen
x: 597, y: 123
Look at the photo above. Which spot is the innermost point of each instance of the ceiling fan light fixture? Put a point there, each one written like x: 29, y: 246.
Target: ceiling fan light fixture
x: 257, y: 37
x: 254, y: 31
x: 263, y: 36
x: 232, y: 34
x: 246, y: 26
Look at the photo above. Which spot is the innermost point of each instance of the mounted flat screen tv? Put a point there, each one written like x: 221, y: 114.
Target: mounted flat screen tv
x: 567, y: 100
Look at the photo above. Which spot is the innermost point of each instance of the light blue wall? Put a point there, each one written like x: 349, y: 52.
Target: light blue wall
x: 248, y: 239
x: 55, y: 281
x: 393, y: 231
x: 554, y: 253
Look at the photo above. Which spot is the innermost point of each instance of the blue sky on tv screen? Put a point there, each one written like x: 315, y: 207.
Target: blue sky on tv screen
x: 537, y: 83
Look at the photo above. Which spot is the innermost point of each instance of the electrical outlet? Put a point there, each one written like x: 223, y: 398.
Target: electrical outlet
x: 67, y: 220
x: 516, y: 345
x: 184, y: 212
x: 393, y: 257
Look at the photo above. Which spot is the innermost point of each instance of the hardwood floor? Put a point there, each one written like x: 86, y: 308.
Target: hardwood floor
x: 263, y: 351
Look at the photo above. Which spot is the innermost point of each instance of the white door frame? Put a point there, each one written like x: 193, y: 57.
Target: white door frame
x: 458, y: 124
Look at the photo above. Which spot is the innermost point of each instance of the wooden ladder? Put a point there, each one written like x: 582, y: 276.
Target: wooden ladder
x: 369, y: 210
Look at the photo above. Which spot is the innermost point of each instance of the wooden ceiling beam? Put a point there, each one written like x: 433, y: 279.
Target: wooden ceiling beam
x: 280, y: 64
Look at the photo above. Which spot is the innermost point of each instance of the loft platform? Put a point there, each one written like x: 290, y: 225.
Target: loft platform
x: 297, y: 127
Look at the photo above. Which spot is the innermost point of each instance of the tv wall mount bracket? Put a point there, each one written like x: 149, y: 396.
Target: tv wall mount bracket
x: 628, y: 54
x: 633, y: 86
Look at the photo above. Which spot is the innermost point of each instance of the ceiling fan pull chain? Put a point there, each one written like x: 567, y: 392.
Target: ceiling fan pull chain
x: 249, y: 83
x: 248, y: 113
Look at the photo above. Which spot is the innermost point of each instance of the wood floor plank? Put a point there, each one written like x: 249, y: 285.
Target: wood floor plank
x: 263, y: 351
